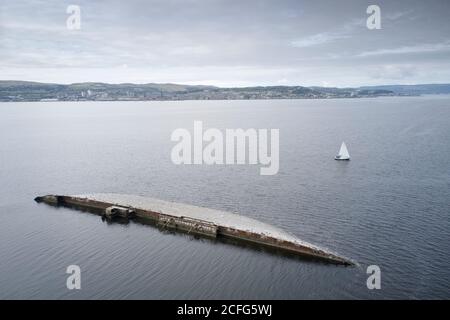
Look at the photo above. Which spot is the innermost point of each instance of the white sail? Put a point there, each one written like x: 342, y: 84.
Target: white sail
x: 343, y: 152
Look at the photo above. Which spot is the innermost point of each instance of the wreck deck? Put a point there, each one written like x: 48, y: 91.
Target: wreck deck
x: 197, y: 220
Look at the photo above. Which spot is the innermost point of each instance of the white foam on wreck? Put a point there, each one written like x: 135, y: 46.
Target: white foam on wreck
x: 217, y: 217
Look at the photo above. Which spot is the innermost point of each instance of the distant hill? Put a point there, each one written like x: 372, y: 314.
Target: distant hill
x: 416, y: 89
x: 97, y: 91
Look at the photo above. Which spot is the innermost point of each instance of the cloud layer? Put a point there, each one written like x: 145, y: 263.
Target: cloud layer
x: 226, y: 42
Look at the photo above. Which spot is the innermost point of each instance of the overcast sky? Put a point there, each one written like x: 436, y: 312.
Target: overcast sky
x: 226, y: 42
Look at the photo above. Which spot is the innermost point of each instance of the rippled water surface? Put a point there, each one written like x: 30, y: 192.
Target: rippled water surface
x: 389, y: 206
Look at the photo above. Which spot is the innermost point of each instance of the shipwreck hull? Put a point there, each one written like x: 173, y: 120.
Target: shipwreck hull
x: 192, y: 224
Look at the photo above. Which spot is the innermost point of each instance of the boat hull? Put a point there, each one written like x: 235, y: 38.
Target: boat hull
x: 339, y: 159
x: 196, y: 226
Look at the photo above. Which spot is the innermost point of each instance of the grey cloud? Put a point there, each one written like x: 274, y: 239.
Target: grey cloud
x: 394, y: 72
x: 225, y: 42
x: 421, y: 48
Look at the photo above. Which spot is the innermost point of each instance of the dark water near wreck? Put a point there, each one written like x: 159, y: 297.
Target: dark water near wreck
x: 389, y: 206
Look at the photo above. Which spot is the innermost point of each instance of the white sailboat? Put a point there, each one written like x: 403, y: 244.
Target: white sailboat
x: 343, y: 153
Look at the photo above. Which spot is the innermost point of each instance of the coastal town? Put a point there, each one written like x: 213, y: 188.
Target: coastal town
x: 90, y: 91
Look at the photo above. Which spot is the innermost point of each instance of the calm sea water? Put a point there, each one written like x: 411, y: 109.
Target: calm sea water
x: 389, y: 206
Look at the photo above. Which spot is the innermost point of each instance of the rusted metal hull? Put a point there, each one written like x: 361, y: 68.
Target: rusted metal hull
x: 197, y: 227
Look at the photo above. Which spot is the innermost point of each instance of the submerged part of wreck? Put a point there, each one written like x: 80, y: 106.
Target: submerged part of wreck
x: 194, y: 220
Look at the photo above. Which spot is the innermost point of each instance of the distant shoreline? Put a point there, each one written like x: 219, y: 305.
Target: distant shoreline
x: 25, y: 91
x: 255, y: 99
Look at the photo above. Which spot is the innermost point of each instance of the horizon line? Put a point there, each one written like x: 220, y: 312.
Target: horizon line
x: 221, y: 87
